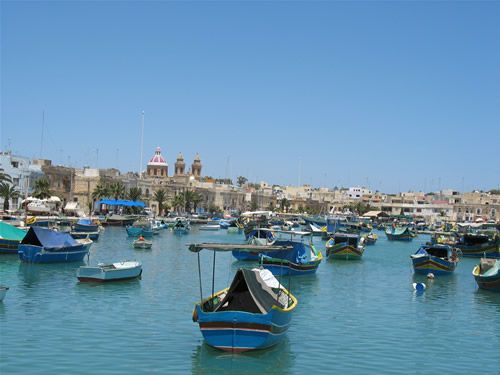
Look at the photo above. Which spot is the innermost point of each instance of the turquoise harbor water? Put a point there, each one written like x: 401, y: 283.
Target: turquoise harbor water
x: 353, y: 316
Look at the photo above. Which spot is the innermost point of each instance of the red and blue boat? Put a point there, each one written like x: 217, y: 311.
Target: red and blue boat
x: 346, y: 246
x: 254, y: 313
x: 436, y: 259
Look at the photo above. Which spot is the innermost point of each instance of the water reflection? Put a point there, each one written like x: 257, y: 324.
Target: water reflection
x: 31, y: 274
x: 275, y: 360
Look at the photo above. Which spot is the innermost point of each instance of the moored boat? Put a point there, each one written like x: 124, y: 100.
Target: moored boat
x: 42, y: 245
x: 396, y: 233
x: 110, y: 271
x: 94, y: 236
x: 86, y: 225
x: 209, y: 227
x: 478, y: 245
x: 487, y: 274
x: 10, y: 237
x: 3, y: 292
x: 118, y: 220
x: 303, y: 259
x: 436, y: 259
x: 181, y: 226
x: 142, y: 243
x: 371, y: 238
x: 253, y: 313
x: 346, y: 246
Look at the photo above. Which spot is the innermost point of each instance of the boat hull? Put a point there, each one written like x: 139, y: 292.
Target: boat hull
x: 401, y: 237
x: 490, y: 250
x: 428, y: 263
x: 94, y: 236
x: 86, y: 228
x: 236, y: 331
x: 142, y: 245
x: 491, y: 283
x: 344, y: 251
x: 9, y: 246
x: 97, y: 274
x: 38, y: 254
x: 283, y: 267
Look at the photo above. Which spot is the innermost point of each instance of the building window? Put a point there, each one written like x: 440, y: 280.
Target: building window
x: 478, y: 211
x: 75, y: 199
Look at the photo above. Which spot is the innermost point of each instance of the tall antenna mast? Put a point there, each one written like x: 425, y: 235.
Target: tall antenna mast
x: 41, y: 140
x: 142, y: 142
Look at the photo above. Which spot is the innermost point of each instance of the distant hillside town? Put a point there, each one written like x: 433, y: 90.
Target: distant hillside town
x: 71, y: 190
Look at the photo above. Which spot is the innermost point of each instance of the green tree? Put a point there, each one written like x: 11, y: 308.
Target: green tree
x: 241, y: 180
x: 117, y: 190
x: 4, y: 177
x: 7, y: 192
x: 193, y: 198
x: 285, y: 205
x: 42, y: 188
x: 160, y: 196
x: 102, y: 190
x: 178, y: 201
x: 134, y: 194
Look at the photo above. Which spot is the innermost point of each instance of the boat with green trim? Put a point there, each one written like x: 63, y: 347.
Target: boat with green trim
x: 10, y: 237
x: 479, y: 244
x: 487, y: 274
x: 397, y: 233
x: 436, y: 259
x: 347, y: 246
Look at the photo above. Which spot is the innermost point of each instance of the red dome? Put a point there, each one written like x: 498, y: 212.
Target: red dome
x: 158, y: 159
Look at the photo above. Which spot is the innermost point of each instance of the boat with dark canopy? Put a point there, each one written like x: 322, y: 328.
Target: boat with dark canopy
x: 42, y: 245
x: 253, y: 313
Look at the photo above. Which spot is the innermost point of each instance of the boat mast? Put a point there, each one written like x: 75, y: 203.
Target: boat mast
x: 41, y: 139
x: 142, y: 142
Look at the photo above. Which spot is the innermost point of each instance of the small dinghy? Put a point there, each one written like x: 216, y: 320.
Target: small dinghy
x: 487, y: 274
x: 110, y: 271
x: 3, y: 292
x: 209, y: 227
x: 142, y: 243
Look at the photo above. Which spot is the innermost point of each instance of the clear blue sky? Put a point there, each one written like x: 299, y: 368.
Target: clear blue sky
x: 399, y: 95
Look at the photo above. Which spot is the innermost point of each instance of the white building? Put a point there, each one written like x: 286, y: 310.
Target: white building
x: 358, y: 192
x: 22, y: 172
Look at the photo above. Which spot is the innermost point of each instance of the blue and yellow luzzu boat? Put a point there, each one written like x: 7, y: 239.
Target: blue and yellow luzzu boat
x: 346, y: 246
x: 478, y: 245
x: 253, y: 313
x: 10, y: 237
x: 436, y: 259
x: 256, y: 236
x: 487, y: 274
x: 86, y: 225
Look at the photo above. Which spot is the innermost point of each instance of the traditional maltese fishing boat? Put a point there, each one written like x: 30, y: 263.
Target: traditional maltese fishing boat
x: 487, y: 274
x: 346, y: 246
x: 436, y: 259
x: 255, y: 312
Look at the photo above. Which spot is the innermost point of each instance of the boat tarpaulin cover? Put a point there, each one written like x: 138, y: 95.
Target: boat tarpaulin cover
x: 48, y: 238
x: 249, y: 293
x: 120, y: 202
x: 10, y: 232
x: 84, y: 221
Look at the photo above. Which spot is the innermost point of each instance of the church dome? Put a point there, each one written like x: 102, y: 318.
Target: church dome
x: 158, y: 159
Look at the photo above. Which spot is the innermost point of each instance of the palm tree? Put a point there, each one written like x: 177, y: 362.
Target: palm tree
x: 42, y: 188
x: 7, y: 192
x: 134, y: 194
x: 101, y: 191
x: 160, y: 196
x: 178, y: 201
x: 192, y: 197
x: 196, y: 198
x: 117, y: 190
x: 4, y: 177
